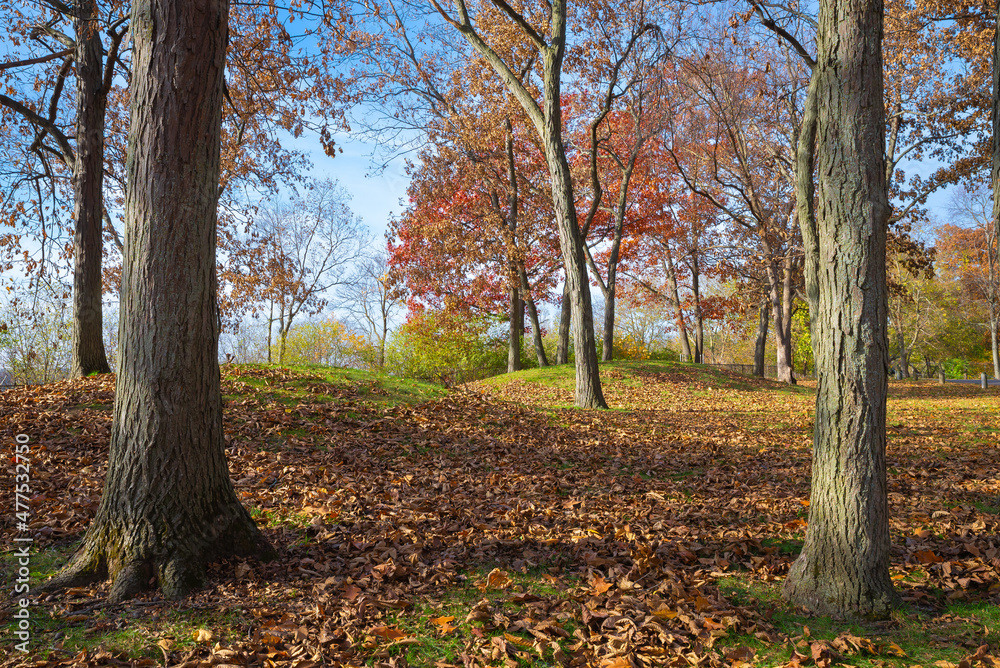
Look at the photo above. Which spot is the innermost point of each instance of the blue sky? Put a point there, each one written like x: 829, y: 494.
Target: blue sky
x: 377, y: 194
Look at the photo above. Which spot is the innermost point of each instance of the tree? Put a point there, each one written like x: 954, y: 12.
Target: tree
x: 969, y: 255
x: 477, y: 234
x: 306, y: 248
x: 843, y: 569
x: 543, y: 106
x: 324, y: 341
x: 748, y: 139
x: 623, y: 65
x: 85, y: 160
x: 74, y: 154
x: 373, y: 296
x: 910, y: 308
x: 168, y: 506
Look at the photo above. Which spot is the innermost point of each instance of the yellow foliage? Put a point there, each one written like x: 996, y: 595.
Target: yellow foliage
x: 629, y: 347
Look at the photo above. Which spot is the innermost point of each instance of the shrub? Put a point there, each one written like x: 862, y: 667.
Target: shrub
x: 435, y: 344
x: 325, y: 342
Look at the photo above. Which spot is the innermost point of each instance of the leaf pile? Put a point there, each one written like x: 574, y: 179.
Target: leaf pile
x: 475, y: 530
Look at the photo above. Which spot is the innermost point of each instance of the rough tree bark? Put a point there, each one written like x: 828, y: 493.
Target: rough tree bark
x: 515, y: 331
x: 995, y: 113
x: 843, y: 569
x: 588, y: 381
x: 760, y: 345
x: 88, y: 354
x: 168, y: 506
x: 565, y: 313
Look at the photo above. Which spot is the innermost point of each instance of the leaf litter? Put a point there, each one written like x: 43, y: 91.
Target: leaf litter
x: 521, y: 534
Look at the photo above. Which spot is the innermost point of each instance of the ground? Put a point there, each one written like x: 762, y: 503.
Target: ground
x: 496, y: 525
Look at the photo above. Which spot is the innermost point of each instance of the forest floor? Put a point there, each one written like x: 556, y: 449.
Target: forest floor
x: 495, y: 525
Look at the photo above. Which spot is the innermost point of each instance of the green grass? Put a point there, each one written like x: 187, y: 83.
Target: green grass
x: 115, y: 630
x: 790, y: 546
x: 636, y: 372
x: 924, y: 637
x: 380, y: 389
x: 428, y: 643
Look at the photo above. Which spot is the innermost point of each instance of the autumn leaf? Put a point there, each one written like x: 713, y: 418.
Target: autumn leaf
x: 387, y: 633
x: 496, y: 579
x: 444, y: 624
x: 598, y: 584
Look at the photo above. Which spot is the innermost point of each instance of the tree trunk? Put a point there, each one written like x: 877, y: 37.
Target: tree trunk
x: 515, y: 330
x: 786, y: 317
x: 783, y: 348
x: 699, y: 339
x: 779, y: 288
x: 678, y: 311
x: 995, y: 345
x: 270, y: 326
x: 843, y: 569
x: 168, y: 506
x: 760, y: 346
x: 608, y: 342
x: 536, y: 327
x: 588, y: 381
x: 88, y: 183
x: 565, y: 314
x: 994, y: 249
x: 995, y: 114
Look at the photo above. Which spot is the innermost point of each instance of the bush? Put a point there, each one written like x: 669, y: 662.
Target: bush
x: 325, y: 342
x: 35, y: 345
x: 629, y: 347
x: 438, y: 345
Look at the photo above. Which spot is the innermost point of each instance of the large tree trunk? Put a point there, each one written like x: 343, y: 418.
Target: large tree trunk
x: 88, y: 183
x: 843, y: 569
x: 565, y: 313
x: 515, y: 331
x: 760, y: 346
x: 168, y: 506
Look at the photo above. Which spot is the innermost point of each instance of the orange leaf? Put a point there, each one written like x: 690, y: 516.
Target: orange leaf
x: 927, y: 557
x: 388, y: 633
x: 497, y: 579
x: 599, y: 585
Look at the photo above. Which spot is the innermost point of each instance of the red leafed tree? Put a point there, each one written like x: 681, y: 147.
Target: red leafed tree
x: 621, y: 102
x: 675, y: 249
x: 476, y: 236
